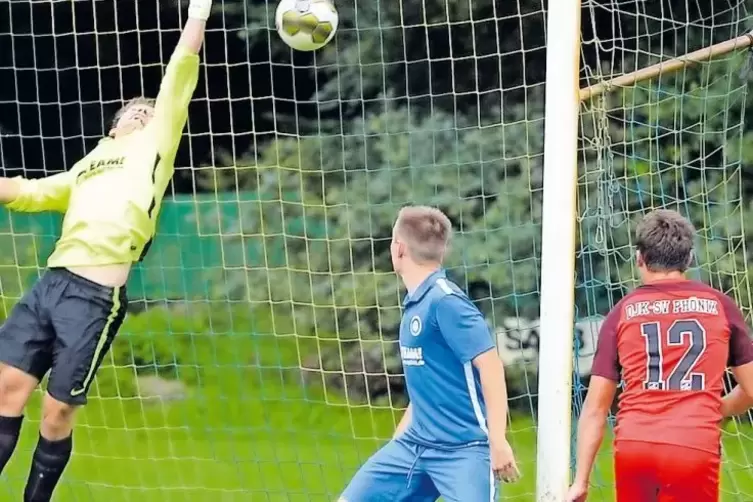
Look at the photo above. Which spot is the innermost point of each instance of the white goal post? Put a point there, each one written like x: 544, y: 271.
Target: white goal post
x: 558, y: 250
x: 565, y: 101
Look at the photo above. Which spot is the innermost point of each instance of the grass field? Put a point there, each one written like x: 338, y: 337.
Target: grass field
x: 251, y: 432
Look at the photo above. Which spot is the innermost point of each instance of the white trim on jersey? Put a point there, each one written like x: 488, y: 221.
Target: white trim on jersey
x: 492, y: 483
x: 470, y: 381
x: 468, y: 369
x: 442, y: 283
x: 472, y: 391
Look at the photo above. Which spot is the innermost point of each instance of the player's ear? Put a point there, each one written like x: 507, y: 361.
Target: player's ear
x: 639, y: 259
x: 691, y: 255
x: 400, y: 249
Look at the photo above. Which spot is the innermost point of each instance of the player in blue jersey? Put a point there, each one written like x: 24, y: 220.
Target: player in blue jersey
x: 67, y: 321
x: 452, y: 441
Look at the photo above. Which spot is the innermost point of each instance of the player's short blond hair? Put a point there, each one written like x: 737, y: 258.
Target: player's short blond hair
x: 426, y: 231
x: 141, y: 100
x: 665, y: 241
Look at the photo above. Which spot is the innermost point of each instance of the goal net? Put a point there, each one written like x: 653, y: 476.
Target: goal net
x: 664, y: 98
x: 259, y: 360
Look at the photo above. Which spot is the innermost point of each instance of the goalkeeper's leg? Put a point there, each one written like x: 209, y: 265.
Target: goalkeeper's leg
x: 86, y: 318
x: 15, y: 389
x: 25, y: 356
x: 53, y: 450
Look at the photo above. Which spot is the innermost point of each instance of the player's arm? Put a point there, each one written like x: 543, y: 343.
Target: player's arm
x: 467, y: 334
x: 740, y: 361
x: 605, y: 376
x: 736, y: 402
x: 179, y: 82
x: 494, y: 388
x: 404, y: 422
x: 45, y: 194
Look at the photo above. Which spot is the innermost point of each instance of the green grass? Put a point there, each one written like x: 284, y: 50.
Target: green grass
x: 251, y: 432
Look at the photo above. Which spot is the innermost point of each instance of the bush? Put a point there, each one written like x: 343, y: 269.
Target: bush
x: 363, y: 371
x: 155, y: 342
x: 182, y: 341
x: 187, y: 339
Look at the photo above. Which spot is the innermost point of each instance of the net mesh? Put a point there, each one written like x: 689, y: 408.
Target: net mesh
x: 678, y: 141
x: 259, y: 360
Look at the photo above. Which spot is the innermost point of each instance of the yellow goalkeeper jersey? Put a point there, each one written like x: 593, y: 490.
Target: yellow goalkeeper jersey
x: 111, y: 198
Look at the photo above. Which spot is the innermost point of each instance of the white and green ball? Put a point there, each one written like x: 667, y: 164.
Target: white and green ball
x: 306, y: 25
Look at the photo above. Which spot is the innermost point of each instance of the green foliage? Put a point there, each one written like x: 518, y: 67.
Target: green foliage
x: 431, y: 56
x: 412, y: 106
x: 156, y: 342
x: 679, y: 144
x: 182, y: 341
x: 175, y: 341
x: 337, y: 276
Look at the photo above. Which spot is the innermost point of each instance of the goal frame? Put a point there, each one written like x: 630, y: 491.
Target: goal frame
x: 559, y: 211
x: 557, y: 303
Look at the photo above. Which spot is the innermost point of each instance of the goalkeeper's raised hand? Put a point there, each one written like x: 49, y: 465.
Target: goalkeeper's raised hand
x: 199, y: 9
x: 193, y: 33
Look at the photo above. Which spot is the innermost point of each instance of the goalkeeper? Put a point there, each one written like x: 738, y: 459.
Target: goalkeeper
x: 67, y: 321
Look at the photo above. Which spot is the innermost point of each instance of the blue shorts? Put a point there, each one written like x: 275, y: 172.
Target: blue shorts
x: 404, y: 471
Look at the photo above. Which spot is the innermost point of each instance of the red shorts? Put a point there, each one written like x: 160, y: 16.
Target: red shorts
x: 653, y: 472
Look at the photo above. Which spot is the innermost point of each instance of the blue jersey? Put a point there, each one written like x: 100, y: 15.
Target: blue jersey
x: 441, y: 332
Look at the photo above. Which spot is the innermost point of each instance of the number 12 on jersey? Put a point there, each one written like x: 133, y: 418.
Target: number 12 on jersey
x: 687, y: 335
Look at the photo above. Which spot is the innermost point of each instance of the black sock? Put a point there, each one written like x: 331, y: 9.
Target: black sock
x: 50, y: 459
x: 10, y: 428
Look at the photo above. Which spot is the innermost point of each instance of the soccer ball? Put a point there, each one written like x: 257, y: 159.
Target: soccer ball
x: 306, y: 25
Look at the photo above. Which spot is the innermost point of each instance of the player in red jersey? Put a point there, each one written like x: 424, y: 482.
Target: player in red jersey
x: 669, y: 341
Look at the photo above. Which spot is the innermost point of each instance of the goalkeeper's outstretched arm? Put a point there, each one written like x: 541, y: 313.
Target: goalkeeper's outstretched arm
x: 45, y: 194
x: 193, y: 33
x: 170, y: 115
x: 179, y: 82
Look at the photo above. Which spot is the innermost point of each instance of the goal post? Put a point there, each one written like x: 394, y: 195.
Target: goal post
x: 558, y: 250
x: 667, y: 67
x: 613, y: 164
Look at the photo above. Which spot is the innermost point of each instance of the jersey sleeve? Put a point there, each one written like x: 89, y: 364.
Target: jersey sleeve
x: 44, y: 194
x: 463, y: 327
x: 606, y: 362
x: 740, y: 346
x: 171, y: 107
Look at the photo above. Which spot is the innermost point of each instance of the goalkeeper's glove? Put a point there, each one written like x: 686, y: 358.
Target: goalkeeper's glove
x: 199, y: 9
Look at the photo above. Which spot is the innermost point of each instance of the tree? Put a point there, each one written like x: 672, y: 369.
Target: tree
x: 432, y: 103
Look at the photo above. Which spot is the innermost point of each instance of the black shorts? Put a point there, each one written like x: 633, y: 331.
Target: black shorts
x: 64, y: 324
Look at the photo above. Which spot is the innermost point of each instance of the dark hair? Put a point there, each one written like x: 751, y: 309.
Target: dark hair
x: 665, y: 241
x: 426, y: 231
x: 133, y: 102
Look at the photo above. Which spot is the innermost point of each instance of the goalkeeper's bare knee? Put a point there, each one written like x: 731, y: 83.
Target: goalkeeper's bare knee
x: 57, y: 419
x: 15, y: 389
